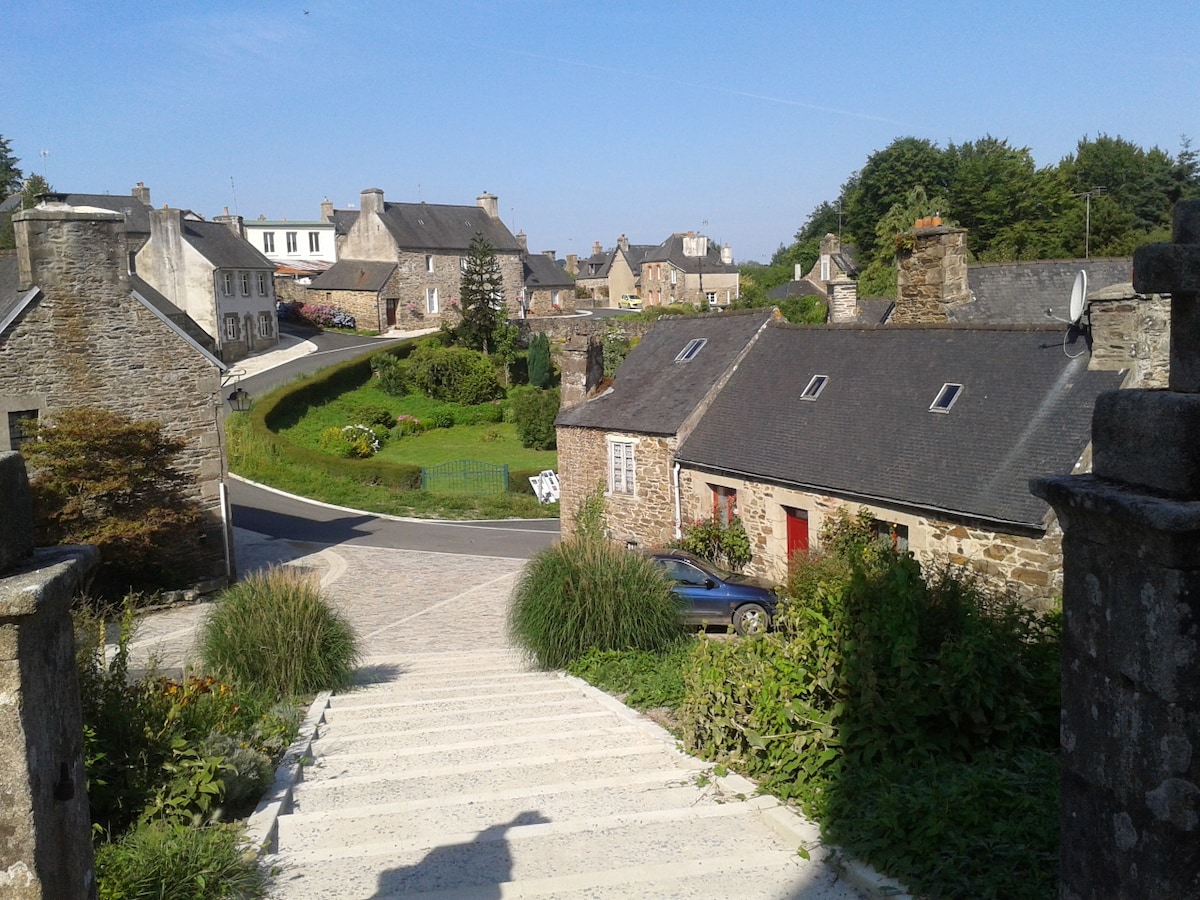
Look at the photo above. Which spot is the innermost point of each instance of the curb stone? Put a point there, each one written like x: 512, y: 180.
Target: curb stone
x: 789, y: 825
x: 262, y: 828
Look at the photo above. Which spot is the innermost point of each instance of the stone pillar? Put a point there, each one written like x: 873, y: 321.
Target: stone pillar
x: 45, y: 830
x: 582, y: 367
x: 1130, y: 815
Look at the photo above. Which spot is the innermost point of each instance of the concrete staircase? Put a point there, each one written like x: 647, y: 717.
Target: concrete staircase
x: 465, y: 775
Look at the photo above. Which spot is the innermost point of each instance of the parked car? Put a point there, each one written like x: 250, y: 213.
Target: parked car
x: 630, y: 301
x: 712, y: 596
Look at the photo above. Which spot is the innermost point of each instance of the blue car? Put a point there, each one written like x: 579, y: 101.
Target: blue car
x: 712, y: 596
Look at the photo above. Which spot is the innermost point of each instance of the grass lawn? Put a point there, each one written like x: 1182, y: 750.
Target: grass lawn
x: 492, y: 443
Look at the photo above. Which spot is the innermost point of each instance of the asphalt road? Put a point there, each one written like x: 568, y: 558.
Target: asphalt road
x: 297, y: 519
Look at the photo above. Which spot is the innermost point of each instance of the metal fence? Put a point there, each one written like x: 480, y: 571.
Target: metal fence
x: 465, y: 476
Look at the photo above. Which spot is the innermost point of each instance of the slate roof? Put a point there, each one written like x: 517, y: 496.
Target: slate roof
x: 805, y: 287
x: 671, y: 250
x: 1025, y: 409
x: 436, y: 226
x: 182, y: 320
x: 137, y: 213
x: 1018, y: 293
x: 222, y: 246
x: 354, y: 275
x: 9, y: 296
x: 654, y: 394
x: 602, y: 262
x: 542, y: 272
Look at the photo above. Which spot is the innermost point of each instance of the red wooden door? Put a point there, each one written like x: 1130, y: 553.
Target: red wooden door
x: 797, y: 531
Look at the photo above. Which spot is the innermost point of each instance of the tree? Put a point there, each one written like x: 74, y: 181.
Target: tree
x: 482, y: 295
x: 539, y: 360
x: 10, y: 175
x: 34, y: 187
x: 505, y: 339
x: 99, y: 477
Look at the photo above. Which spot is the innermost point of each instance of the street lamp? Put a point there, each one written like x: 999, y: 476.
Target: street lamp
x: 239, y: 400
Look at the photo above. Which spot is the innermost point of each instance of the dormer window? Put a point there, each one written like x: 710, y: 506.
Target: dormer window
x: 688, y: 353
x: 815, y: 385
x: 946, y: 398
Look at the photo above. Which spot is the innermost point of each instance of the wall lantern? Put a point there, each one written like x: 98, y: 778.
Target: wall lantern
x: 239, y: 400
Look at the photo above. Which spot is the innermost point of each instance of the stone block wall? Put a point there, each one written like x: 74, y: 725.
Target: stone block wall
x: 1130, y: 331
x: 932, y: 275
x: 1026, y: 566
x: 86, y: 342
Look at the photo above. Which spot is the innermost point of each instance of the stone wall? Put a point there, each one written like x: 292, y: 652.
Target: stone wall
x: 1130, y: 331
x: 1026, y: 566
x: 932, y: 274
x: 645, y: 518
x: 87, y: 342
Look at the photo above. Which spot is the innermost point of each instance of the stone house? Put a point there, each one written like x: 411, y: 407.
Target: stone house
x: 77, y: 329
x: 547, y: 286
x: 212, y: 273
x: 427, y: 244
x: 689, y: 268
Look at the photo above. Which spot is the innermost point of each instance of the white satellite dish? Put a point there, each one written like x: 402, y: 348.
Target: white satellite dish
x: 1078, y: 296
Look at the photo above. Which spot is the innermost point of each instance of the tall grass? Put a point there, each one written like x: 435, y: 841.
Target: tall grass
x: 590, y: 594
x: 278, y: 634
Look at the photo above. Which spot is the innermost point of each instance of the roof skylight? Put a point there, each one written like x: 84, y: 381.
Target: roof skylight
x: 946, y: 398
x: 814, y: 388
x: 688, y: 353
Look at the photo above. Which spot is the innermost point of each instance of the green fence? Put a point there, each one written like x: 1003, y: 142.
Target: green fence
x: 465, y: 476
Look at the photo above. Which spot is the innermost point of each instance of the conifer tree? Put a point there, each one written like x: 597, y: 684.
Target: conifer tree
x: 482, y: 295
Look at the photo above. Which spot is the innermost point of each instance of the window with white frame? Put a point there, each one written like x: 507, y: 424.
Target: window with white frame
x: 268, y: 242
x: 262, y: 284
x: 621, y: 467
x: 231, y: 328
x: 314, y: 242
x: 428, y: 262
x: 711, y: 297
x: 674, y: 277
x: 227, y: 283
x: 291, y: 241
x: 264, y: 325
x: 245, y: 277
x: 724, y: 500
x: 431, y: 300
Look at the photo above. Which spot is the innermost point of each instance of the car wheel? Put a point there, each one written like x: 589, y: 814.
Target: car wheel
x: 750, y: 619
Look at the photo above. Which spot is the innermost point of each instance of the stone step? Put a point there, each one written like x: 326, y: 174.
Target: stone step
x: 419, y: 714
x: 370, y: 756
x: 351, y: 788
x: 407, y: 731
x: 412, y: 819
x: 454, y: 701
x: 528, y: 847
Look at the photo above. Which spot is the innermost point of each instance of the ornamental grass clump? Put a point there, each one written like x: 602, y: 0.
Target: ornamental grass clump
x: 591, y: 594
x: 276, y: 633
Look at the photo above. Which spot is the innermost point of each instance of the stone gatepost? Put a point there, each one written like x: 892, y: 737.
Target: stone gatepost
x: 45, y: 831
x: 1130, y: 816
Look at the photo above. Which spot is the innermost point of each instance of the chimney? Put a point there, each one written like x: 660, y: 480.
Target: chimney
x: 371, y: 201
x: 573, y: 263
x: 623, y: 243
x: 326, y: 210
x: 234, y: 223
x: 61, y: 249
x: 932, y: 276
x: 550, y: 254
x: 581, y: 364
x: 489, y: 203
x: 596, y: 249
x: 726, y: 255
x: 523, y: 240
x: 843, y: 300
x: 1130, y: 331
x: 142, y: 193
x: 797, y: 272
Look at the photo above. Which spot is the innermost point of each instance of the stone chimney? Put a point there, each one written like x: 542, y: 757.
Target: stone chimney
x: 726, y: 255
x: 582, y: 367
x: 489, y: 203
x: 623, y: 243
x: 523, y: 240
x: 371, y: 201
x: 932, y: 277
x: 596, y: 248
x: 142, y: 193
x: 58, y: 246
x: 573, y: 263
x: 551, y: 255
x: 326, y: 210
x: 1130, y: 331
x: 234, y: 223
x: 843, y: 300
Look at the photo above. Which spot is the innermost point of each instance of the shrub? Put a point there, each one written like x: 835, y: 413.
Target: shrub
x: 539, y: 360
x: 451, y: 374
x: 161, y: 860
x: 615, y: 349
x: 99, y: 477
x: 580, y: 595
x: 372, y: 415
x: 721, y: 544
x: 534, y: 412
x: 277, y: 634
x: 644, y: 678
x: 390, y: 372
x: 352, y: 441
x: 443, y: 418
x: 407, y: 424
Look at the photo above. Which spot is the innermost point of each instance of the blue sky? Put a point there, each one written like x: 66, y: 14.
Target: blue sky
x: 587, y: 119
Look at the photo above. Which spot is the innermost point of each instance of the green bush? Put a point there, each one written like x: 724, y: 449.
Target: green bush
x: 351, y: 441
x: 161, y: 860
x: 277, y: 634
x: 580, y: 595
x: 451, y: 374
x: 534, y: 412
x: 390, y: 372
x: 722, y: 545
x: 644, y: 678
x: 373, y: 416
x: 538, y: 360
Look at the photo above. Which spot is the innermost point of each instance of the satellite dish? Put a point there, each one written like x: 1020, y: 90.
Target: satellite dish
x: 1078, y: 296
